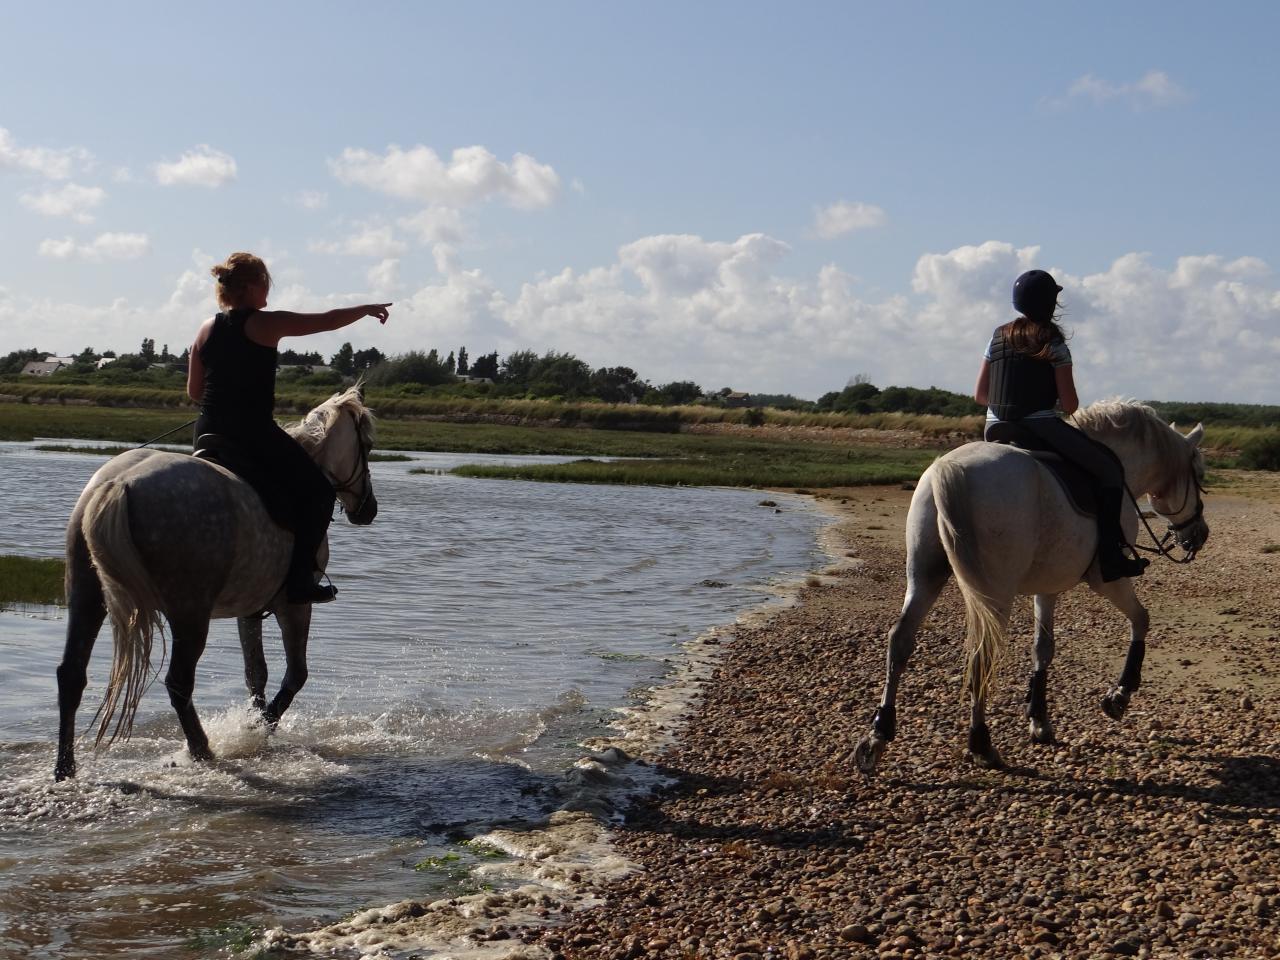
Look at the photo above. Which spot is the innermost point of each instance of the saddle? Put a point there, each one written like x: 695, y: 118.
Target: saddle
x: 226, y: 453
x: 1076, y: 482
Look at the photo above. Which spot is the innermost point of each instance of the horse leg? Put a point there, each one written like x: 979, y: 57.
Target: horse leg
x: 85, y: 612
x: 1037, y: 702
x: 255, y: 663
x: 189, y: 636
x: 1122, y: 595
x: 927, y: 575
x: 295, y: 624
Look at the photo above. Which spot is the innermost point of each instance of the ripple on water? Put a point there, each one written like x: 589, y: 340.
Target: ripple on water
x: 484, y: 629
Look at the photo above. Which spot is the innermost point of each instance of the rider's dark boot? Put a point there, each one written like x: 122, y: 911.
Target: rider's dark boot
x: 300, y: 582
x: 1113, y: 562
x: 308, y: 591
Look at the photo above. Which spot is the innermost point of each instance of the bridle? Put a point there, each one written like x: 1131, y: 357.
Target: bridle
x: 361, y: 469
x: 1162, y: 545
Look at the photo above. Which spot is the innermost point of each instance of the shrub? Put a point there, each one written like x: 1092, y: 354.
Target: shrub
x: 1261, y: 452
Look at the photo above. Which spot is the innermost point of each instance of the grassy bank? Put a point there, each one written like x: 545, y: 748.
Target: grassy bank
x: 23, y: 421
x: 720, y: 462
x: 393, y: 404
x: 30, y: 580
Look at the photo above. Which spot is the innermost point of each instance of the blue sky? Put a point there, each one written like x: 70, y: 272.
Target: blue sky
x: 764, y: 196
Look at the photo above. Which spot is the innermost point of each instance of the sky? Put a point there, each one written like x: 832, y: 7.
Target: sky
x: 770, y: 197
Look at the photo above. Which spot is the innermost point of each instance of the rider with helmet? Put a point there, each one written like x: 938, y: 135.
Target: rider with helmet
x: 1025, y: 380
x: 232, y: 375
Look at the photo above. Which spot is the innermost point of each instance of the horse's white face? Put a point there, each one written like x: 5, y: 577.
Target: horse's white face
x: 344, y: 456
x: 1180, y: 502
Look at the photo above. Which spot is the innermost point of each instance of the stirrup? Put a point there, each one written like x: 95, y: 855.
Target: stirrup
x: 311, y: 593
x: 1120, y: 566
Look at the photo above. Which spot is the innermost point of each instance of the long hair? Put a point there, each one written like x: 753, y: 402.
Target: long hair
x: 1035, y: 337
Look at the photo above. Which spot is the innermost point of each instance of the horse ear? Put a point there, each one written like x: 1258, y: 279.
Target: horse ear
x: 1196, y: 435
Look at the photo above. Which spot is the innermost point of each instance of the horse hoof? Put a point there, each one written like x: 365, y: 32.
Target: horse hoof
x: 868, y: 752
x: 1042, y: 733
x: 1115, y: 703
x: 988, y: 761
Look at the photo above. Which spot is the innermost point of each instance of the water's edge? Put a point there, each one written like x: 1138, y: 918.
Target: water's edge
x: 564, y: 863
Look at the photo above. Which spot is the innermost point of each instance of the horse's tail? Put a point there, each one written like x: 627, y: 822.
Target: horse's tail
x: 132, y: 601
x: 985, y: 639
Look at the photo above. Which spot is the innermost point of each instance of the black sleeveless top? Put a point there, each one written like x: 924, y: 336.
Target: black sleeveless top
x: 1019, y: 385
x: 239, y: 376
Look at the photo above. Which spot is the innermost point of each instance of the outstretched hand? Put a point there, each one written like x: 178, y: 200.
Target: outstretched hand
x: 378, y: 310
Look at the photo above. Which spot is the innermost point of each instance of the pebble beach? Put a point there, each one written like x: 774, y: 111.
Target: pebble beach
x: 1155, y: 836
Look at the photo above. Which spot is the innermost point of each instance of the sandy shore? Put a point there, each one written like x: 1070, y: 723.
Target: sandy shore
x: 1156, y: 836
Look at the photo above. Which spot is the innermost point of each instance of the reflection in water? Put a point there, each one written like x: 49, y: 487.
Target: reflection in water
x: 483, y: 629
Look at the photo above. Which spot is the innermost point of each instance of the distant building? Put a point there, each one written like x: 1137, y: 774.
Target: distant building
x: 43, y: 368
x: 735, y: 399
x: 305, y: 369
x: 104, y: 361
x: 65, y: 361
x: 464, y: 378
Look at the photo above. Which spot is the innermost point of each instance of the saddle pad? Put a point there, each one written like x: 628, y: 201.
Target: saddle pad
x: 1076, y: 483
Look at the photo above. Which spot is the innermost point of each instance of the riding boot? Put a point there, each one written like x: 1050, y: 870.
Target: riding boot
x: 1113, y: 562
x: 300, y: 582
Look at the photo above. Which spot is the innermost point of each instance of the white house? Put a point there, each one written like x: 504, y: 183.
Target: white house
x: 42, y: 368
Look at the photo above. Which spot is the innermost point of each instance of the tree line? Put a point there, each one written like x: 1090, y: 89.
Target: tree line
x: 526, y: 373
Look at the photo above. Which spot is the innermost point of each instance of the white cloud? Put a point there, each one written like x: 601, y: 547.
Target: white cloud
x: 70, y: 200
x: 728, y: 313
x: 53, y: 164
x: 202, y: 166
x: 311, y: 199
x: 472, y: 175
x: 106, y: 246
x: 434, y: 225
x: 845, y: 217
x: 720, y: 313
x: 385, y: 277
x: 1155, y: 88
x: 369, y: 241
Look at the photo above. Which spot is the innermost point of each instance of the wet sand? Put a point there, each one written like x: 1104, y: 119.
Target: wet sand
x: 1154, y: 836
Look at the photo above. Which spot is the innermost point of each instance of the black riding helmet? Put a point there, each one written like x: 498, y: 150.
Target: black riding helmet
x: 1035, y: 293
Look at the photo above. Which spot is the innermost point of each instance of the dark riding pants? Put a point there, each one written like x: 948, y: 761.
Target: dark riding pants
x: 296, y: 492
x: 1072, y: 445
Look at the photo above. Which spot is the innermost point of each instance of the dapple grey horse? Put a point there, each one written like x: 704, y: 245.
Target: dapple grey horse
x: 157, y: 534
x: 998, y: 520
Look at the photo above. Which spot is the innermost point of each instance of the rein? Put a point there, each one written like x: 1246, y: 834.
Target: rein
x: 163, y: 435
x: 1162, y: 546
x: 360, y: 469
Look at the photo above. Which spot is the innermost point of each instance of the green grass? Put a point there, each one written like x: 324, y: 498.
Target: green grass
x: 30, y: 580
x: 26, y: 421
x: 447, y: 863
x: 233, y: 937
x: 723, y: 462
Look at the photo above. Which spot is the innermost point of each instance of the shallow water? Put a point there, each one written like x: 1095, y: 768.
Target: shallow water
x: 484, y: 628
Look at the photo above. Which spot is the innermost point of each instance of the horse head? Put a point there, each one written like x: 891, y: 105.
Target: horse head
x: 1186, y: 520
x: 339, y: 436
x: 1158, y: 460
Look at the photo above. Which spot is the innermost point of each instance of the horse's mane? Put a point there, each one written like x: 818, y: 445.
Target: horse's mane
x: 310, y: 431
x: 1134, y: 421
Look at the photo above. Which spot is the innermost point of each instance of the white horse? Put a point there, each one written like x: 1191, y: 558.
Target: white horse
x: 157, y: 534
x: 996, y: 518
